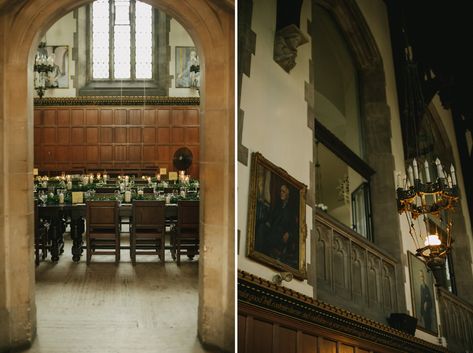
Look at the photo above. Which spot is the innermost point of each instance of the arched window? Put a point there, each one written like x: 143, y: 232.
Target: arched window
x: 342, y: 174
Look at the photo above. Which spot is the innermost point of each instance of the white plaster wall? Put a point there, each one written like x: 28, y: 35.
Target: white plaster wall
x: 178, y: 37
x: 275, y: 123
x: 62, y: 33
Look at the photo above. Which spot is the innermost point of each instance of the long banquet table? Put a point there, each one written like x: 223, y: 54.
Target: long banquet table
x: 57, y: 214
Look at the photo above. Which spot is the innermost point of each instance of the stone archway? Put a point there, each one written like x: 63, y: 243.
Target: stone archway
x: 211, y: 27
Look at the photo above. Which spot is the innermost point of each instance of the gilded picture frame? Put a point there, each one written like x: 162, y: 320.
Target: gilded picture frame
x: 276, y: 232
x: 422, y: 295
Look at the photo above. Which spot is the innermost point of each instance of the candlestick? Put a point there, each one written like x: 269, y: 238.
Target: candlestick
x: 399, y: 180
x: 454, y: 177
x: 427, y: 172
x: 439, y: 168
x: 416, y: 171
x: 411, y: 175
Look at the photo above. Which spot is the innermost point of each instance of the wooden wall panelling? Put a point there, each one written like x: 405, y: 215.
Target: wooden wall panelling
x: 268, y: 332
x: 97, y: 137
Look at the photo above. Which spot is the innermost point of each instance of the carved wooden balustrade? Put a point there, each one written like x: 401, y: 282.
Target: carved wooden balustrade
x: 352, y: 272
x: 457, y: 321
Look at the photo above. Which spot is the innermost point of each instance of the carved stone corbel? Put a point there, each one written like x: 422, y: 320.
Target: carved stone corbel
x: 286, y: 42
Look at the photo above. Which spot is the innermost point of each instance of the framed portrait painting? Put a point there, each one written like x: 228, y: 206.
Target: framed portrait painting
x: 187, y: 67
x: 422, y: 294
x: 276, y: 218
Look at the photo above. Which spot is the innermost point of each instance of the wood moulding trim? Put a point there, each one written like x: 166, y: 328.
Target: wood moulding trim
x: 115, y: 100
x: 259, y: 292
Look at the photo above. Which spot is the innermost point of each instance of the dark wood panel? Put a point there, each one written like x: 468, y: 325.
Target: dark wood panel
x: 134, y: 153
x: 49, y: 135
x: 106, y: 153
x: 92, y: 116
x: 63, y: 117
x: 241, y: 334
x: 77, y: 117
x: 134, y: 135
x: 135, y: 116
x: 49, y: 153
x: 37, y: 135
x: 38, y: 117
x: 163, y: 117
x: 119, y: 135
x: 49, y: 117
x: 327, y: 346
x: 308, y: 343
x: 149, y: 117
x: 192, y: 135
x: 163, y: 136
x: 92, y: 135
x: 149, y: 135
x: 106, y: 135
x: 163, y: 153
x: 191, y: 117
x: 119, y: 153
x: 77, y: 135
x: 62, y: 153
x: 92, y: 153
x: 177, y: 117
x: 346, y: 349
x: 287, y: 340
x: 149, y: 153
x: 261, y: 340
x: 63, y: 135
x: 78, y: 153
x: 177, y: 135
x: 106, y: 117
x: 119, y: 117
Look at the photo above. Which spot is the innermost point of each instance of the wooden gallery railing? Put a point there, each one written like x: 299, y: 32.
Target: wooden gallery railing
x: 352, y: 272
x: 457, y: 321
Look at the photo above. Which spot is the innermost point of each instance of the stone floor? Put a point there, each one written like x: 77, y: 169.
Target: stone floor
x: 108, y: 308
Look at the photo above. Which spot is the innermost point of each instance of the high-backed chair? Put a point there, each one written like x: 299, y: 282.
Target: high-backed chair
x: 102, y: 229
x: 186, y: 238
x: 147, y: 233
x: 40, y: 236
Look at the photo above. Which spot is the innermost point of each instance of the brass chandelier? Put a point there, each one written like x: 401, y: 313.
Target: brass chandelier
x: 428, y: 193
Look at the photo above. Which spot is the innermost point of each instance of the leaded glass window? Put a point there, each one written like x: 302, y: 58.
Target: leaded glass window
x: 122, y: 40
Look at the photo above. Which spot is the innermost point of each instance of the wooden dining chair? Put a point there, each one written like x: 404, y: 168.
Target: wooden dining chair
x: 102, y: 229
x: 147, y: 233
x: 186, y: 237
x: 40, y: 236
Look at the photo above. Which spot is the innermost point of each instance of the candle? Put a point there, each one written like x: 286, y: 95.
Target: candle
x: 439, y: 168
x: 69, y: 185
x: 128, y: 196
x: 61, y: 197
x: 449, y: 180
x: 427, y: 171
x: 454, y: 178
x: 416, y: 171
x: 411, y: 175
x: 159, y: 177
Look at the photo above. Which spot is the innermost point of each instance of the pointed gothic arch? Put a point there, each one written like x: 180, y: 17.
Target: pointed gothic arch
x: 212, y: 29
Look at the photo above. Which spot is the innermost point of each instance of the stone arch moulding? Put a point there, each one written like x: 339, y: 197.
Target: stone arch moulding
x: 377, y: 128
x: 212, y: 29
